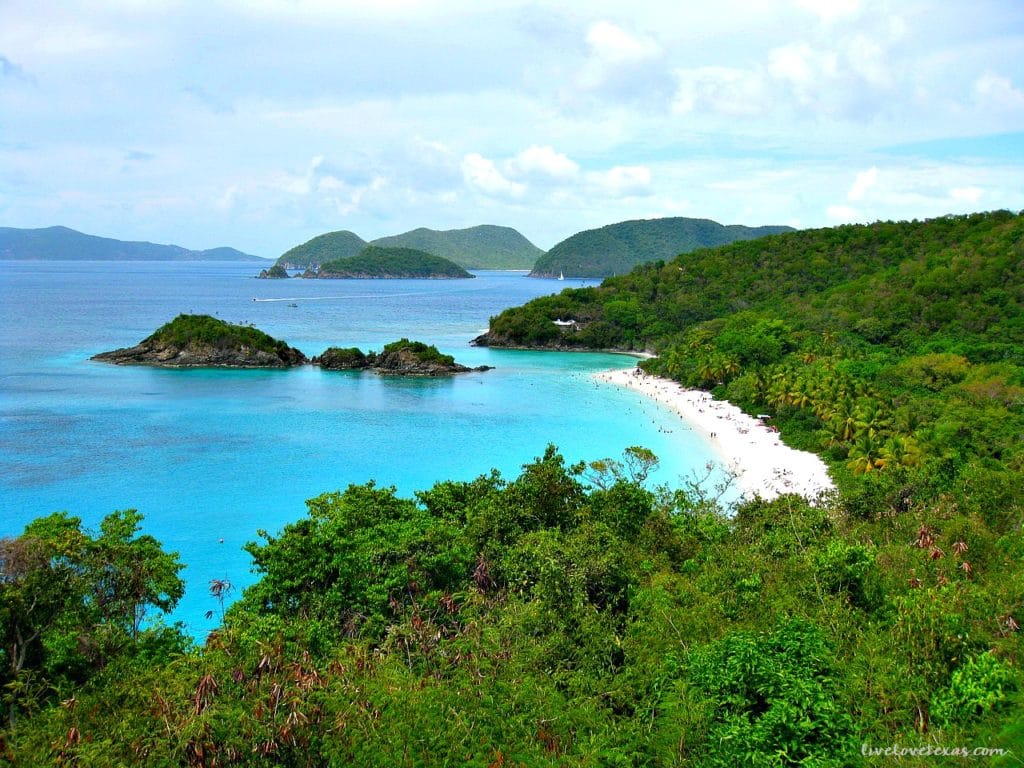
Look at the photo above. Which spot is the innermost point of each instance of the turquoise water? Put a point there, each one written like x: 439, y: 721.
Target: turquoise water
x: 210, y: 456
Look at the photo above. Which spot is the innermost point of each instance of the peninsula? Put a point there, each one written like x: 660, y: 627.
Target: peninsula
x: 202, y: 341
x: 399, y: 358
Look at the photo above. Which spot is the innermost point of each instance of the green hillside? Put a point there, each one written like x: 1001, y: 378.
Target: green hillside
x: 617, y: 248
x: 322, y: 248
x: 377, y: 262
x: 63, y: 244
x: 482, y: 247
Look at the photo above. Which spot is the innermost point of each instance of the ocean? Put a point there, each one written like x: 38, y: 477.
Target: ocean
x: 210, y: 457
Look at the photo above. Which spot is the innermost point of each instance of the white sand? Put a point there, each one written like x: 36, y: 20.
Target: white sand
x: 763, y: 465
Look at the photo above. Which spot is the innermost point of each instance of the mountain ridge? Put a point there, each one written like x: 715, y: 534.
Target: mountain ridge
x: 60, y: 243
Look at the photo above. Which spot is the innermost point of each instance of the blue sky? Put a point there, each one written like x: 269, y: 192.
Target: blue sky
x: 260, y: 124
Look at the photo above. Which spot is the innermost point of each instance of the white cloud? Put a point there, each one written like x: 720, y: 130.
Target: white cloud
x: 542, y: 161
x: 800, y: 64
x: 304, y: 184
x: 622, y: 181
x: 720, y: 90
x: 997, y: 91
x: 621, y: 67
x: 842, y: 214
x: 966, y: 194
x: 865, y: 180
x: 481, y: 174
x: 616, y: 46
x: 831, y: 10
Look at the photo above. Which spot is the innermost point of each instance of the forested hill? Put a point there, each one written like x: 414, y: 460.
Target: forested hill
x: 322, y: 248
x: 483, y: 247
x: 617, y: 248
x: 905, y: 284
x: 878, y: 344
x: 376, y: 262
x: 63, y: 244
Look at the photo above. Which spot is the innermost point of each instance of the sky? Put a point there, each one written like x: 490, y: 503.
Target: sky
x: 259, y: 124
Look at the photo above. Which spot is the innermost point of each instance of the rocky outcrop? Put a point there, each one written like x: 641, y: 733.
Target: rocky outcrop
x: 405, y: 362
x: 276, y: 272
x: 401, y: 358
x: 199, y: 355
x: 347, y: 359
x: 201, y: 341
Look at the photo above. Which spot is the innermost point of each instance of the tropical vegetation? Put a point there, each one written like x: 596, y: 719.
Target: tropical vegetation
x: 579, y: 615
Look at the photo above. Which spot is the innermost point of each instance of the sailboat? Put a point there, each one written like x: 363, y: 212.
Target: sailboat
x: 561, y: 276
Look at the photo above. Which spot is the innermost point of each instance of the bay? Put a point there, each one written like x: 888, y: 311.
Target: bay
x: 209, y: 457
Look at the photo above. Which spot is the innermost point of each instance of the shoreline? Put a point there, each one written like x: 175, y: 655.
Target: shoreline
x: 764, y: 466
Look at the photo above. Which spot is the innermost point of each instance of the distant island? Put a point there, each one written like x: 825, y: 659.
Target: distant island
x: 389, y: 263
x: 202, y: 341
x: 330, y: 246
x: 616, y: 248
x: 482, y: 247
x: 63, y: 244
x: 399, y: 358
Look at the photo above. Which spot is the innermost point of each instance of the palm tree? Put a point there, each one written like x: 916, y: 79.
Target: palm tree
x: 865, y: 455
x: 901, y: 450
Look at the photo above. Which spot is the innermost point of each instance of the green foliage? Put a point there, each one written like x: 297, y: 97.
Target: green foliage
x: 573, y: 616
x: 71, y: 601
x: 771, y: 700
x: 617, y: 248
x: 356, y: 562
x: 981, y: 685
x: 277, y: 271
x: 185, y: 330
x: 376, y: 261
x: 425, y: 353
x: 539, y: 620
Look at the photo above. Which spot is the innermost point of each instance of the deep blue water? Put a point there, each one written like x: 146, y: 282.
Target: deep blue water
x: 210, y: 456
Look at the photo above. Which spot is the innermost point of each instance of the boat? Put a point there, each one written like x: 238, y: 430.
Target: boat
x: 561, y: 276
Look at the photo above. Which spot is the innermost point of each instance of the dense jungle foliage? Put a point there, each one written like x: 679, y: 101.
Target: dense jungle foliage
x: 575, y: 615
x: 377, y: 261
x: 615, y: 249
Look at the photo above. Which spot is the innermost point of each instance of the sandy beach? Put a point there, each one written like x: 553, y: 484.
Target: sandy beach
x: 763, y: 465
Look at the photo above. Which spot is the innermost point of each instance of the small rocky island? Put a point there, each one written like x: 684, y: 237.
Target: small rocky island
x: 399, y: 358
x: 376, y: 262
x: 202, y: 341
x: 276, y: 272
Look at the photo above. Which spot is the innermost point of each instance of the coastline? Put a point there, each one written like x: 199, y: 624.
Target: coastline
x: 764, y: 466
